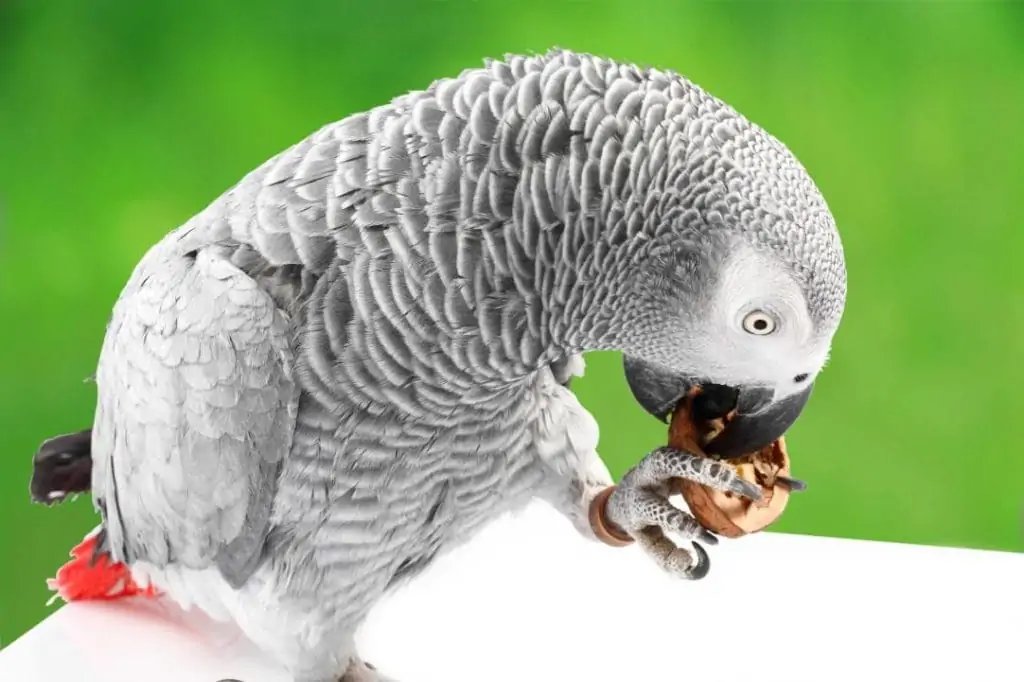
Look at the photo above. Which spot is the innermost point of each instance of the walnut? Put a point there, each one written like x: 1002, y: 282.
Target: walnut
x: 725, y: 513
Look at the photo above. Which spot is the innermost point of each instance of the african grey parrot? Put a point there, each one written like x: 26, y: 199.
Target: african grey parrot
x: 359, y: 355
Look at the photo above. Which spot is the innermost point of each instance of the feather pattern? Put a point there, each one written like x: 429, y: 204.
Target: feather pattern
x: 357, y: 356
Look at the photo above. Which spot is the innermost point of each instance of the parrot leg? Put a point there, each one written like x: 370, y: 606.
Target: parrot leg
x: 639, y: 506
x: 577, y: 474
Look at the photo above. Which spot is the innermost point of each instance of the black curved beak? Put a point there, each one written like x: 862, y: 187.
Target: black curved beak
x: 760, y: 420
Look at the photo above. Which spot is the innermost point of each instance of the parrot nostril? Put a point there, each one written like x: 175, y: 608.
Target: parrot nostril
x: 800, y: 378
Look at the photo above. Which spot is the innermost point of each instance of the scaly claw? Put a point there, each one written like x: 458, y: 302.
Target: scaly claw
x: 675, y: 561
x: 665, y: 463
x: 639, y: 507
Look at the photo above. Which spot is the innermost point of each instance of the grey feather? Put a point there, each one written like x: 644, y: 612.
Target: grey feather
x: 351, y: 361
x: 196, y: 412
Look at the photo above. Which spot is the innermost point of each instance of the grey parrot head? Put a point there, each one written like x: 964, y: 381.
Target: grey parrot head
x: 743, y: 286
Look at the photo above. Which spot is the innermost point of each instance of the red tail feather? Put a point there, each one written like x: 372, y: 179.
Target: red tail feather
x: 93, y: 575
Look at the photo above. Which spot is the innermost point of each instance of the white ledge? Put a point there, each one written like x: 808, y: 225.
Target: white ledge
x: 530, y: 600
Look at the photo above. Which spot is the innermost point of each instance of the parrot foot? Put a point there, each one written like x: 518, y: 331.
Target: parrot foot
x: 361, y: 671
x: 639, y: 508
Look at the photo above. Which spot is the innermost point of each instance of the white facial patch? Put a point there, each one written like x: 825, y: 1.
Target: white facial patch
x: 757, y: 288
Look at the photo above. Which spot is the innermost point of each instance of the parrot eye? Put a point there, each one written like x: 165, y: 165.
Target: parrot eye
x: 759, y: 322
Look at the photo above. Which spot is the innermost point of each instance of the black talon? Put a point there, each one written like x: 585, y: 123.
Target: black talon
x: 747, y: 489
x: 708, y: 538
x: 700, y: 569
x: 795, y: 485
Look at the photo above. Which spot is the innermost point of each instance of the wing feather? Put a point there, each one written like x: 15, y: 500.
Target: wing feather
x: 196, y: 411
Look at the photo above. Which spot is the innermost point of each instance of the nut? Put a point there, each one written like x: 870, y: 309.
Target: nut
x: 725, y: 513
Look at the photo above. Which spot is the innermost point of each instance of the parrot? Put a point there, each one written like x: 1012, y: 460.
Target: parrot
x: 362, y: 353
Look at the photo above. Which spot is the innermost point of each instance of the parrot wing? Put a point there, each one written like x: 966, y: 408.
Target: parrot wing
x: 197, y: 390
x: 196, y: 410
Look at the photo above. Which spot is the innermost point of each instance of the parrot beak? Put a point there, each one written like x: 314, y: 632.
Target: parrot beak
x: 759, y: 421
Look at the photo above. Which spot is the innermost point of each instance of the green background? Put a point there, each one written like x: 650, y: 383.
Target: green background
x: 119, y: 120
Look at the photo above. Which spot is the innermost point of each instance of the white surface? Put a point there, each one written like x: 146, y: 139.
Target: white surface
x: 530, y: 600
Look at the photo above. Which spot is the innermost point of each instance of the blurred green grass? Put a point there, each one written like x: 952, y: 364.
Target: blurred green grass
x: 119, y: 120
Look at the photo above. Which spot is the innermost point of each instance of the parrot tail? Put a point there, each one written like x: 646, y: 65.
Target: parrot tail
x: 93, y: 575
x: 62, y: 467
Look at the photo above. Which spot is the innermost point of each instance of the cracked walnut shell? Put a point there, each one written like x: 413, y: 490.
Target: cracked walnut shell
x: 726, y: 513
